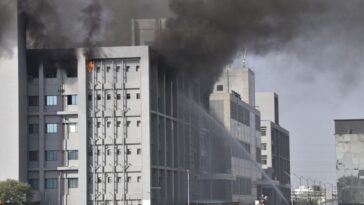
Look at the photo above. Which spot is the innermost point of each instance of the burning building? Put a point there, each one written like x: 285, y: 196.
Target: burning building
x: 115, y: 126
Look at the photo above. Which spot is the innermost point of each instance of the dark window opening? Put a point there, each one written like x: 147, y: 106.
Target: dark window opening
x: 50, y: 69
x: 71, y: 99
x: 219, y: 87
x: 33, y: 100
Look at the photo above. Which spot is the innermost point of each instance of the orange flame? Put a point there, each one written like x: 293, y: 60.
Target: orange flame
x: 90, y: 66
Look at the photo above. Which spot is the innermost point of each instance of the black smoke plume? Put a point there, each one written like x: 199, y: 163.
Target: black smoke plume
x: 7, y: 18
x: 201, y: 36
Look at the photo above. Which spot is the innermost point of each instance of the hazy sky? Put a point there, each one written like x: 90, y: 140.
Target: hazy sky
x: 309, y: 102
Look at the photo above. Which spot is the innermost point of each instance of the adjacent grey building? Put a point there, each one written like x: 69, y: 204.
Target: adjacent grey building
x: 232, y: 103
x: 275, y: 157
x: 349, y: 135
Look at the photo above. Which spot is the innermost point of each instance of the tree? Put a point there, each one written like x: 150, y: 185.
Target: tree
x: 14, y: 192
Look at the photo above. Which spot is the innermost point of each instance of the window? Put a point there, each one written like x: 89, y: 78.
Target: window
x: 108, y: 124
x: 128, y: 123
x: 128, y: 179
x: 33, y: 128
x: 139, y: 151
x: 108, y: 152
x: 137, y: 68
x: 118, y: 151
x: 72, y: 183
x: 138, y: 123
x: 128, y: 152
x: 264, y: 159
x: 33, y: 156
x: 51, y: 128
x: 51, y: 100
x: 263, y: 131
x: 98, y: 69
x: 109, y: 180
x: 34, y: 183
x: 128, y: 96
x: 108, y: 69
x: 89, y: 96
x: 51, y: 155
x: 118, y: 68
x: 118, y: 96
x: 219, y: 87
x: 118, y: 123
x: 33, y: 100
x: 127, y: 68
x: 138, y: 96
x: 264, y: 146
x: 118, y: 179
x: 98, y: 97
x: 72, y: 154
x: 139, y: 178
x: 72, y: 127
x: 51, y: 183
x: 99, y: 180
x: 98, y: 124
x: 108, y: 97
x: 72, y: 100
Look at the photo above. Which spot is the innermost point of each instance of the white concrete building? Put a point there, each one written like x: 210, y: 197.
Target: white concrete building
x: 275, y: 157
x: 232, y: 103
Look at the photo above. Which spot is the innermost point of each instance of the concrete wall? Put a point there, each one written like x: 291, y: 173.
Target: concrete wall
x: 268, y: 105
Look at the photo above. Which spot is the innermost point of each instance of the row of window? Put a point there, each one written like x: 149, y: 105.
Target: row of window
x: 118, y: 96
x: 52, y: 155
x: 118, y: 124
x: 52, y: 183
x: 118, y: 179
x: 118, y: 152
x: 51, y: 128
x: 52, y: 100
x: 118, y: 68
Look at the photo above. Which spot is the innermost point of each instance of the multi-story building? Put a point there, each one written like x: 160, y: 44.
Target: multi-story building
x: 275, y: 157
x: 349, y: 134
x: 232, y: 103
x: 115, y: 127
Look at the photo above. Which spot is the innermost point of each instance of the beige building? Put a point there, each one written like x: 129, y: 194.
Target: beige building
x: 232, y: 103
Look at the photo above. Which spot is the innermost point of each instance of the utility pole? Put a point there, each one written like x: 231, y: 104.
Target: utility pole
x: 188, y: 187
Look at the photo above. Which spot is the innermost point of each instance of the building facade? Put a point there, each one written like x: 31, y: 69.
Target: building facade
x: 275, y: 157
x: 232, y: 103
x: 349, y: 135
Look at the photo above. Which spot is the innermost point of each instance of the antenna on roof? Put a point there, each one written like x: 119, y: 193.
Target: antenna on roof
x: 244, y: 59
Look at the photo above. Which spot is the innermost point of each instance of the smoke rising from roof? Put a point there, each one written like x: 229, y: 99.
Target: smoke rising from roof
x: 202, y: 36
x: 7, y: 17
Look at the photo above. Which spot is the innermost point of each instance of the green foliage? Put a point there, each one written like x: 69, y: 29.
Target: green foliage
x: 14, y: 192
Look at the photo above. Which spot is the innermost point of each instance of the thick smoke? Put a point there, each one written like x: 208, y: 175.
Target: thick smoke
x: 202, y: 36
x: 206, y: 35
x: 7, y: 27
